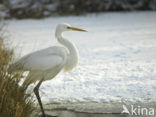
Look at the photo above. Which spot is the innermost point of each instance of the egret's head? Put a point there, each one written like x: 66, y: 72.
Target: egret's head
x: 66, y: 27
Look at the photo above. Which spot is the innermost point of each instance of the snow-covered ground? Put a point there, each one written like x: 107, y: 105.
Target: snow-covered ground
x: 117, y: 55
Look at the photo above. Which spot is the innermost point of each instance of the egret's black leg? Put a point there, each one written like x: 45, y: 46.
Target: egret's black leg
x: 38, y: 97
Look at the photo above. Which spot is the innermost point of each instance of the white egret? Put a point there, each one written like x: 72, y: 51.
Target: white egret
x: 45, y: 64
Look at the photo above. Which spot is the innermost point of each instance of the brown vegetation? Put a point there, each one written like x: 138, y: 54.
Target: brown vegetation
x: 14, y: 102
x: 43, y: 8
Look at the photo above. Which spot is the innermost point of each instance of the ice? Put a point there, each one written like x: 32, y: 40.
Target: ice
x: 117, y: 55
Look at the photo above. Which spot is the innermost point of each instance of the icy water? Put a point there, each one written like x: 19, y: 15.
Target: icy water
x: 117, y: 55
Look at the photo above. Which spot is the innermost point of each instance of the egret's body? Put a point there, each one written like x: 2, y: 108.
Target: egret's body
x: 47, y: 63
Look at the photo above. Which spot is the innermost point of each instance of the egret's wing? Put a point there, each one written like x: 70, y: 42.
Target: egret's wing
x: 41, y: 60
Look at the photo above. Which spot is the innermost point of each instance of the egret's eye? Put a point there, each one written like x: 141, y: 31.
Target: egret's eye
x: 68, y: 27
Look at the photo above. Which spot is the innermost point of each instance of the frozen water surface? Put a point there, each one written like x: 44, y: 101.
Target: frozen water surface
x: 117, y: 55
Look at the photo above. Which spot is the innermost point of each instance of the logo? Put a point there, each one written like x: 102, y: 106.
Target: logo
x: 137, y: 110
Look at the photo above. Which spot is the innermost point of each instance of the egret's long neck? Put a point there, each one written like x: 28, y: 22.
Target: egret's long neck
x: 73, y: 53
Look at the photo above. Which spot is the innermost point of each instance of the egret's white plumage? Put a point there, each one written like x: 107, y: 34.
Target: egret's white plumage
x: 47, y: 63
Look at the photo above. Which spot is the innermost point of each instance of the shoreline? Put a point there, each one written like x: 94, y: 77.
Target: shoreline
x: 97, y: 109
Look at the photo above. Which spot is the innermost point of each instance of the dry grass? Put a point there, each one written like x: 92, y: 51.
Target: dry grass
x: 14, y: 102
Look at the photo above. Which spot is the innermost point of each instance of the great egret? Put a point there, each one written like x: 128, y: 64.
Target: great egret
x: 45, y: 64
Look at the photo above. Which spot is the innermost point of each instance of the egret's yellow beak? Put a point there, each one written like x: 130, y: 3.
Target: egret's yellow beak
x: 77, y: 29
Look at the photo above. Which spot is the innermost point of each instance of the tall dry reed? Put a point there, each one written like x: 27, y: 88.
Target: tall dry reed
x: 14, y: 101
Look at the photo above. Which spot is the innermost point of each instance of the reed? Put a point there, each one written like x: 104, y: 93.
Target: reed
x: 14, y: 101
